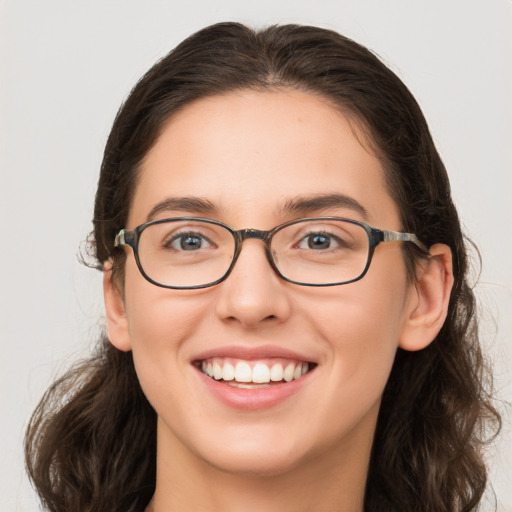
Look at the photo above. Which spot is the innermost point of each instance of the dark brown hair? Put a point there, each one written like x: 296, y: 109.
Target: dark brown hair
x: 91, y: 442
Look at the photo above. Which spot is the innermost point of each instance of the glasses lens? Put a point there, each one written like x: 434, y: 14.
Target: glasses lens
x: 321, y: 251
x: 185, y: 253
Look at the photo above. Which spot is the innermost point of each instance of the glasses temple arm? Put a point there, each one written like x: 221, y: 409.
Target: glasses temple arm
x: 389, y: 236
x: 124, y: 237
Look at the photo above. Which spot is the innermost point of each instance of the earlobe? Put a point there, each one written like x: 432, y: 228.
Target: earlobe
x: 430, y: 296
x: 117, y: 325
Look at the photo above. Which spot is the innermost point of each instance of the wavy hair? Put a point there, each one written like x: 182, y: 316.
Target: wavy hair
x: 91, y: 443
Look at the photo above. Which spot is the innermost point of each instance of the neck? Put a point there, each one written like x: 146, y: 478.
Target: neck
x: 334, y: 481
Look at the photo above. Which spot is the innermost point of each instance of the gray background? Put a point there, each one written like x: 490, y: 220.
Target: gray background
x: 65, y: 67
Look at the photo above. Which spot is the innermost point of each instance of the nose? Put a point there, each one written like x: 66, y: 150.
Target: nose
x: 253, y: 293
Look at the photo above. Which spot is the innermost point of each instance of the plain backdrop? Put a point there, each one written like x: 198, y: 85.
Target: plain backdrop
x: 65, y: 67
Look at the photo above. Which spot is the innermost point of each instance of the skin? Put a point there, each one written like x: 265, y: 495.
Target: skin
x: 249, y: 153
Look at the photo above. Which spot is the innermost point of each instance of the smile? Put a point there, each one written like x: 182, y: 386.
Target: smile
x: 254, y: 378
x: 253, y: 373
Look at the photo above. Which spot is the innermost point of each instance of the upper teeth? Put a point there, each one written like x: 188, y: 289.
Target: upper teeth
x: 258, y: 372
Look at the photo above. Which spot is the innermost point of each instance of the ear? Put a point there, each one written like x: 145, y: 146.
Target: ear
x: 117, y: 324
x: 428, y: 304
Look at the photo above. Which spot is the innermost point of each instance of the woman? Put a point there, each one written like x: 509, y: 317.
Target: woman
x: 289, y: 324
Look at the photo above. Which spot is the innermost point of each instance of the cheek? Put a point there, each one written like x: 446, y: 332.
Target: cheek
x: 360, y: 326
x: 362, y: 339
x: 160, y: 321
x: 156, y: 315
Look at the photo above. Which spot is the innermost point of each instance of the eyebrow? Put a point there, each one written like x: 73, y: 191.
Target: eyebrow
x: 183, y: 204
x: 307, y: 205
x: 301, y: 205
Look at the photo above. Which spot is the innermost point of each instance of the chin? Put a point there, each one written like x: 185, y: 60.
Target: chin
x: 260, y: 463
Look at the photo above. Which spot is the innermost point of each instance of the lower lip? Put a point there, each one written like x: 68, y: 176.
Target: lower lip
x: 253, y: 399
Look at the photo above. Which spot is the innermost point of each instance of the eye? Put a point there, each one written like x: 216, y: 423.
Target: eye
x: 319, y: 241
x: 188, y: 242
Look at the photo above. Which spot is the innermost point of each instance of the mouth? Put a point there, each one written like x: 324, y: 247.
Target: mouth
x: 254, y: 374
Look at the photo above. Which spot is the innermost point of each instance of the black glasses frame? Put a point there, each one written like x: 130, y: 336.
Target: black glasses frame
x: 375, y: 237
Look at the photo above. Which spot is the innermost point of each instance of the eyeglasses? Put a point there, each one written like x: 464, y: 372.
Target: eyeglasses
x: 189, y: 253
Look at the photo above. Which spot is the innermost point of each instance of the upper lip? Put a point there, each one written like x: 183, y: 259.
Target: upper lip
x: 253, y: 353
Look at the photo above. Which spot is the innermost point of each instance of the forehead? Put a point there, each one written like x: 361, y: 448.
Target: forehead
x: 252, y: 152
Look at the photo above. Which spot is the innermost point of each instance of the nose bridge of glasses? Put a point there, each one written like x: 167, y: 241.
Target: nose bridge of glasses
x: 245, y: 234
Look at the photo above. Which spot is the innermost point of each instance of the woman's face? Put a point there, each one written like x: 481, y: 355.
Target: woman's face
x: 257, y: 159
